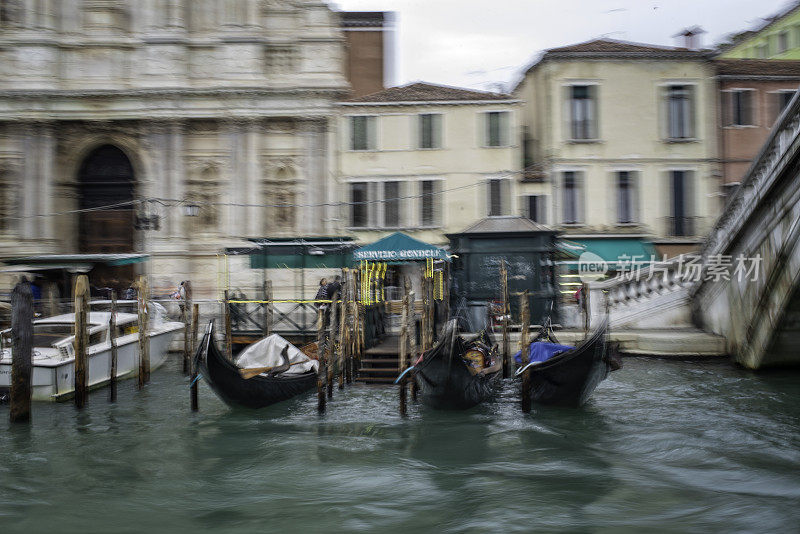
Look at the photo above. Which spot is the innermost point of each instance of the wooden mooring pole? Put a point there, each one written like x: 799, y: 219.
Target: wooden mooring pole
x: 195, y: 324
x: 81, y: 341
x: 524, y: 347
x: 21, y: 353
x: 186, y: 318
x: 112, y: 338
x: 506, y: 307
x: 228, y: 332
x: 267, y: 308
x: 144, y: 340
x: 404, y: 346
x: 411, y: 328
x: 322, y: 372
x: 358, y: 342
x: 343, y: 318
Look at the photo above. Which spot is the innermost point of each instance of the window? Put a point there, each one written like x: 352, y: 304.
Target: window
x: 738, y: 107
x: 783, y: 42
x: 359, y: 207
x: 784, y: 97
x: 496, y: 128
x: 680, y: 220
x: 498, y: 194
x: 535, y: 208
x: 626, y: 197
x: 582, y: 109
x: 527, y: 148
x: 680, y: 112
x: 571, y: 198
x: 362, y: 132
x: 429, y: 203
x: 391, y: 204
x: 430, y: 130
x: 762, y: 51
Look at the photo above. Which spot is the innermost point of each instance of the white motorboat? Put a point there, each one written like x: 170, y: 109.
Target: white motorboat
x: 54, y: 352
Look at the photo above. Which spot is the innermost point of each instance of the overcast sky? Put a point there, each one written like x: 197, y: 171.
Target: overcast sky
x: 477, y: 43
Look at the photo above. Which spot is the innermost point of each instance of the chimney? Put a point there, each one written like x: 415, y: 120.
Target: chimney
x: 690, y: 38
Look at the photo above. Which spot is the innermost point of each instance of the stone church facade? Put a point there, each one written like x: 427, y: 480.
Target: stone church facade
x: 228, y: 105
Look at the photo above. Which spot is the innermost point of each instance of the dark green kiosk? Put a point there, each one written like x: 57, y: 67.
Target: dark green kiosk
x: 529, y: 250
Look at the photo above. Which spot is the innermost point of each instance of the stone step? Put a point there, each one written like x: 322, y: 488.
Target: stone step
x: 379, y: 370
x: 375, y: 379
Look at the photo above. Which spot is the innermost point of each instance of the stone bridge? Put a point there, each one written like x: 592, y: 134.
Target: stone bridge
x: 745, y: 283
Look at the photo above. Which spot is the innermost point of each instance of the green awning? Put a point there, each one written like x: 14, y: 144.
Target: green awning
x: 616, y: 249
x: 112, y: 260
x: 399, y: 247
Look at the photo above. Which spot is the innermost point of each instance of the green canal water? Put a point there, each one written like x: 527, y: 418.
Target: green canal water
x: 662, y: 446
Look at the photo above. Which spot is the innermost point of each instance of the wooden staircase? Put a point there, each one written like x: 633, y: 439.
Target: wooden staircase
x: 381, y: 363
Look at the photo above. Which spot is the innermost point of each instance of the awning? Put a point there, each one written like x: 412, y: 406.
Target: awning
x: 616, y: 250
x: 399, y: 247
x: 69, y: 260
x: 70, y: 267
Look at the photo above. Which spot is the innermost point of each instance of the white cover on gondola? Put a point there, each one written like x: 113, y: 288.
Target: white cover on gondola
x: 267, y: 353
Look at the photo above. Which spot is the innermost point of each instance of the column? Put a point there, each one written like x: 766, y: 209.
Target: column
x: 252, y: 181
x: 27, y: 199
x: 236, y: 191
x: 177, y: 177
x: 47, y: 150
x: 315, y: 173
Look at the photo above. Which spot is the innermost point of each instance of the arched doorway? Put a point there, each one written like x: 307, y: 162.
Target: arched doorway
x: 106, y: 178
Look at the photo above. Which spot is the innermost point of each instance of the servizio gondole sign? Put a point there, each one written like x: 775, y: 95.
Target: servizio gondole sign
x: 410, y: 254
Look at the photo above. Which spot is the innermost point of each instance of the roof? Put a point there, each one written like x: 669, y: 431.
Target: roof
x: 399, y: 247
x: 418, y: 92
x: 78, y: 261
x: 93, y: 318
x: 616, y: 49
x: 504, y: 225
x: 758, y: 67
x: 363, y: 19
x: 745, y: 35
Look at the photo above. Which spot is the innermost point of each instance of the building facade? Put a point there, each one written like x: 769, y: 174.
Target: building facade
x: 620, y: 144
x: 427, y: 160
x: 224, y: 105
x: 752, y: 95
x: 777, y: 38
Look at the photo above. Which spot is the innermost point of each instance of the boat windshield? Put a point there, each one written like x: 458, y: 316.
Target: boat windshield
x: 44, y: 335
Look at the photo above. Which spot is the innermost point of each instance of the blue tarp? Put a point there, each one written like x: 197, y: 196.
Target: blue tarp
x: 541, y: 351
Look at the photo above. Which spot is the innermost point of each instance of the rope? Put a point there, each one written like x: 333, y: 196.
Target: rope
x: 198, y: 377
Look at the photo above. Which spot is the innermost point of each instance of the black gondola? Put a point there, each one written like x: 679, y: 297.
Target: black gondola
x: 444, y: 378
x: 570, y: 377
x: 257, y: 392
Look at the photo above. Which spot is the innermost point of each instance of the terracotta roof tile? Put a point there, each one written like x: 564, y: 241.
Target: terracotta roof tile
x: 609, y: 45
x: 428, y: 92
x: 615, y: 49
x: 604, y: 47
x: 758, y: 67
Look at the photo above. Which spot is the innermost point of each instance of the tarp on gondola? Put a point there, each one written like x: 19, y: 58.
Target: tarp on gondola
x: 267, y: 353
x: 399, y: 247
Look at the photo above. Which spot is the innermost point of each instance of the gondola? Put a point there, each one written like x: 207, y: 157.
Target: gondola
x: 262, y: 390
x: 570, y: 377
x: 446, y: 380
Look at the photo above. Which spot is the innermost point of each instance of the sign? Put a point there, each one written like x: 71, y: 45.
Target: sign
x: 398, y: 255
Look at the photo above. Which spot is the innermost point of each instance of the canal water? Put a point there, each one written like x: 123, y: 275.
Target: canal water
x: 663, y: 445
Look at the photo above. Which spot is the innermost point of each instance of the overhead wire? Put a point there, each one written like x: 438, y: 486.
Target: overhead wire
x: 174, y: 202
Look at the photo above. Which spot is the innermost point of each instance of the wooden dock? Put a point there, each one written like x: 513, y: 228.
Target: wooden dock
x: 381, y: 363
